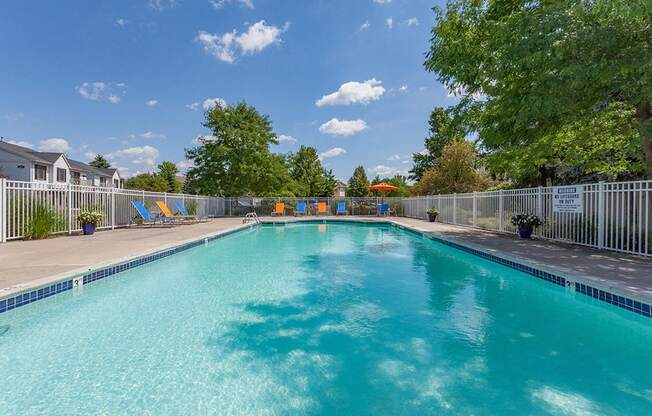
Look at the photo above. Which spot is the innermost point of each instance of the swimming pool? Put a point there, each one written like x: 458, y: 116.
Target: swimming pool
x: 324, y: 319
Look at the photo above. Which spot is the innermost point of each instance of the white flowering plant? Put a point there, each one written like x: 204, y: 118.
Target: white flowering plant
x: 90, y: 217
x: 432, y: 211
x: 526, y: 220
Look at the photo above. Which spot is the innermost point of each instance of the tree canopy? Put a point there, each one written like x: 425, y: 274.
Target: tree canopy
x: 147, y: 182
x: 310, y: 177
x: 100, y: 161
x: 530, y: 72
x: 358, y: 185
x: 168, y: 171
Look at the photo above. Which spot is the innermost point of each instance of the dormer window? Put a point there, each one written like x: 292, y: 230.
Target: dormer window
x: 40, y: 172
x: 61, y: 175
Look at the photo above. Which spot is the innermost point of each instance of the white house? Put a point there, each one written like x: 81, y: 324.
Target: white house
x: 24, y: 164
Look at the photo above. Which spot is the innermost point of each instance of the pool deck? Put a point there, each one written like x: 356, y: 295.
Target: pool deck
x: 29, y: 264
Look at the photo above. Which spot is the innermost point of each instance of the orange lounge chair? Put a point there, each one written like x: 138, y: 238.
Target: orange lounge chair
x: 322, y: 208
x: 279, y: 210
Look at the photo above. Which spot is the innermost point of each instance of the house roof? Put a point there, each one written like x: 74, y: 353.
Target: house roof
x: 25, y: 152
x: 51, y: 157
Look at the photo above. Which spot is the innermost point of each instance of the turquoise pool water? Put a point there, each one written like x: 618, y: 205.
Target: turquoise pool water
x: 324, y: 319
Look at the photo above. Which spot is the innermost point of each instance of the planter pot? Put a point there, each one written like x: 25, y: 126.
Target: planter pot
x: 525, y: 232
x: 89, y: 229
x: 432, y: 218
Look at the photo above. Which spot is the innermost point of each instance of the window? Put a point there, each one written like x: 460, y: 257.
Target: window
x: 102, y: 181
x: 40, y: 173
x: 116, y: 183
x: 61, y: 175
x: 75, y: 178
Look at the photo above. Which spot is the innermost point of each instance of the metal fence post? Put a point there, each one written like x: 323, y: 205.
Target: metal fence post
x: 601, y: 215
x: 455, y: 208
x: 540, y: 202
x: 3, y: 210
x: 113, y: 208
x: 69, y: 203
x: 475, y: 210
x: 501, y: 208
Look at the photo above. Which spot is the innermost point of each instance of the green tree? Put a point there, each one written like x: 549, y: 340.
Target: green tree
x: 100, y: 162
x: 443, y: 130
x: 526, y: 71
x: 358, y: 185
x: 310, y: 176
x: 455, y: 172
x: 236, y: 160
x: 168, y: 171
x: 147, y: 182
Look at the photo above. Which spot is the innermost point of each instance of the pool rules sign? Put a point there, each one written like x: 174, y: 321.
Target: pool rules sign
x: 567, y: 199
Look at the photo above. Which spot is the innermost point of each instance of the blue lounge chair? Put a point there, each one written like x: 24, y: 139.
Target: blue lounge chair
x: 383, y: 209
x: 184, y: 213
x: 149, y: 219
x: 301, y: 208
x: 341, y: 208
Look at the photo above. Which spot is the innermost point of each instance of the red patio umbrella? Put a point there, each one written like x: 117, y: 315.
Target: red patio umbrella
x: 383, y: 187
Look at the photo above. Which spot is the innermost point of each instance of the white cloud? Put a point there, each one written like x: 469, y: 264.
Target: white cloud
x: 334, y: 152
x: 285, y: 138
x: 382, y: 1
x: 403, y: 88
x: 353, y: 92
x: 394, y: 157
x: 90, y: 155
x: 390, y: 22
x: 144, y: 155
x: 160, y: 5
x: 184, y: 165
x: 201, y: 139
x: 151, y: 103
x: 337, y: 127
x: 412, y: 21
x: 121, y: 22
x: 210, y: 103
x: 98, y: 90
x: 226, y: 46
x: 21, y: 143
x: 152, y: 135
x: 55, y: 145
x: 219, y: 4
x: 365, y: 25
x: 193, y: 106
x: 387, y: 171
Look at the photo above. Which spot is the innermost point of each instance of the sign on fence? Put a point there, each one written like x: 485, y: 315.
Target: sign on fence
x: 567, y: 199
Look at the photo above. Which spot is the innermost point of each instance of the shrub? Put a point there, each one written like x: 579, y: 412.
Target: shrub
x: 191, y: 207
x: 43, y: 222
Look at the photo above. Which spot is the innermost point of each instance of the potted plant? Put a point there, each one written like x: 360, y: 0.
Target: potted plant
x: 89, y: 221
x: 526, y: 223
x: 432, y: 214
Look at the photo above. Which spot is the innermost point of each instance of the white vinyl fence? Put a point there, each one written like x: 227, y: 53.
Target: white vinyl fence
x: 613, y: 216
x: 20, y: 200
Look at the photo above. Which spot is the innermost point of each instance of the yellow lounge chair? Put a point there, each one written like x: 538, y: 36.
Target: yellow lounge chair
x: 322, y: 208
x: 168, y: 214
x: 279, y: 210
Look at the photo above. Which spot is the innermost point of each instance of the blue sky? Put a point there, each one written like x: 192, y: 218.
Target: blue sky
x: 131, y: 79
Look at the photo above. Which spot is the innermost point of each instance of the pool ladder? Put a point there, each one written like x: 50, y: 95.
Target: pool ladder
x: 251, y: 217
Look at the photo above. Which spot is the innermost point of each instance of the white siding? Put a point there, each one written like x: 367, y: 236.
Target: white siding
x: 9, y: 167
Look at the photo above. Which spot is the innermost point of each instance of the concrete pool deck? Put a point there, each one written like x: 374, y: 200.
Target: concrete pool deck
x: 28, y: 264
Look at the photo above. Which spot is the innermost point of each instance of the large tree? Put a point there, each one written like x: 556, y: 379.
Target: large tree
x: 456, y: 171
x: 168, y: 171
x: 147, y: 182
x: 527, y: 70
x: 442, y: 131
x: 100, y: 161
x: 309, y: 175
x: 236, y: 159
x: 358, y: 185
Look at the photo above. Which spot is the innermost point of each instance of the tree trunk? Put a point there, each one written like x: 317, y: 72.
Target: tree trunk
x: 644, y: 113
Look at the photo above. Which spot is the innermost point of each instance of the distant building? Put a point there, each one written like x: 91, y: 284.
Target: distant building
x: 20, y: 163
x: 340, y: 190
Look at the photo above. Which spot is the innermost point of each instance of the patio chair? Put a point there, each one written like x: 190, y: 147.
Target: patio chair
x: 341, y: 208
x: 302, y: 209
x: 184, y: 213
x: 167, y: 214
x: 279, y: 210
x: 383, y: 209
x: 147, y: 218
x: 322, y: 208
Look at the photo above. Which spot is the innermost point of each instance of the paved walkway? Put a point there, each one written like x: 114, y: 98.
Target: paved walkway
x: 26, y: 264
